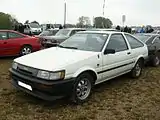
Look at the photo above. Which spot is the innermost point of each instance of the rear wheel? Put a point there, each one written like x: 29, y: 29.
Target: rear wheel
x: 82, y: 88
x: 155, y: 61
x: 137, y: 70
x: 26, y: 50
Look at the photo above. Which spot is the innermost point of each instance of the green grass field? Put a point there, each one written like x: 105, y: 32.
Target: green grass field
x: 122, y: 98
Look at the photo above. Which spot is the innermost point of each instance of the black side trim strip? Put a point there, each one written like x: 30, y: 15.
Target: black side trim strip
x: 115, y: 67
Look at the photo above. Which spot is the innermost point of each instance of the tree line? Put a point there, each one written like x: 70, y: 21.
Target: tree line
x: 8, y: 21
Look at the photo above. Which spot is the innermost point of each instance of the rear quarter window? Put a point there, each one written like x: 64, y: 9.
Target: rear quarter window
x: 134, y: 43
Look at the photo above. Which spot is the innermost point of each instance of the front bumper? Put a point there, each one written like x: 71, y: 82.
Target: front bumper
x: 46, y: 90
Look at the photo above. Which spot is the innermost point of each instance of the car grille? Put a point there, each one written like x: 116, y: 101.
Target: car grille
x: 27, y: 70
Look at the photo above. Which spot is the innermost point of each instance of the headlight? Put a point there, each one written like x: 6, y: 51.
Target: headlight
x: 57, y: 75
x: 14, y: 65
x: 43, y: 74
x: 51, y: 75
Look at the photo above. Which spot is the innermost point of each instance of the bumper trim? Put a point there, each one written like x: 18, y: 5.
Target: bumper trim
x: 46, y: 90
x: 37, y: 94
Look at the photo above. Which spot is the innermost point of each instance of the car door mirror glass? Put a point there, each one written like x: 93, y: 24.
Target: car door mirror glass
x: 109, y: 51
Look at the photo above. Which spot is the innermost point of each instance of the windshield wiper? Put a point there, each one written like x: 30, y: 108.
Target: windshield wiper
x: 67, y: 47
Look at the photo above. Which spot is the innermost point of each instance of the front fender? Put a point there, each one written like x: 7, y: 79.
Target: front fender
x: 83, y: 69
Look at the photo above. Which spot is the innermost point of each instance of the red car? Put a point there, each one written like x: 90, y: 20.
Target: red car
x: 13, y: 43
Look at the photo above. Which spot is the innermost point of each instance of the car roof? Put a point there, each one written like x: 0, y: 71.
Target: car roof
x: 74, y: 29
x: 102, y: 32
x: 51, y: 30
x: 101, y: 29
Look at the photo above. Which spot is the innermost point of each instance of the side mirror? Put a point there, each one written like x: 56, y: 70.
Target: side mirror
x: 109, y: 51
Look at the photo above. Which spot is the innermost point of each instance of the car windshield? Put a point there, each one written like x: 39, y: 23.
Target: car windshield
x: 86, y: 41
x: 34, y: 25
x: 143, y: 38
x: 62, y: 32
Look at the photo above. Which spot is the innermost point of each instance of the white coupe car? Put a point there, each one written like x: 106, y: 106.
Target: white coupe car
x: 76, y: 65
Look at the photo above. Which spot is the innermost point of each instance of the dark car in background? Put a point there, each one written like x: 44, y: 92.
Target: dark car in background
x: 153, y: 43
x: 46, y: 35
x: 50, y: 32
x: 60, y: 36
x: 156, y: 32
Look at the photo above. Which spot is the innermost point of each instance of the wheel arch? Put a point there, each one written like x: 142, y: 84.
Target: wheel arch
x: 90, y: 71
x: 26, y: 45
x: 140, y: 58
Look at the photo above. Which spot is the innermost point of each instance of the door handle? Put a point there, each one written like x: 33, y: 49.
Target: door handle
x: 129, y: 53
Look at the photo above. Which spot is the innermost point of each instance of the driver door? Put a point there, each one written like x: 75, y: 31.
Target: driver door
x: 119, y: 62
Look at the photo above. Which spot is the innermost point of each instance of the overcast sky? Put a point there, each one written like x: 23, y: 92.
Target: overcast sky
x: 138, y: 12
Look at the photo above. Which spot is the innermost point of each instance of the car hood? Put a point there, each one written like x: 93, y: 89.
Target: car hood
x: 54, y: 58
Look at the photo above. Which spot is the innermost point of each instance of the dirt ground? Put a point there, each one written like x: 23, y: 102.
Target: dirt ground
x: 120, y: 99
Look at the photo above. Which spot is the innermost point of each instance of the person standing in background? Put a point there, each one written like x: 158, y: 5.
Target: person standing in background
x: 118, y: 28
x: 142, y: 30
x: 126, y: 29
x: 60, y: 27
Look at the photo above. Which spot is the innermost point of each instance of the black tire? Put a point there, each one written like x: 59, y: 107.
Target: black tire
x: 26, y: 49
x: 137, y: 70
x: 75, y: 98
x: 155, y: 61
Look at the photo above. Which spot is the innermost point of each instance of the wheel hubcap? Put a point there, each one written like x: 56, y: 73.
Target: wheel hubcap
x: 83, y: 89
x: 26, y: 51
x: 157, y: 61
x: 138, y: 70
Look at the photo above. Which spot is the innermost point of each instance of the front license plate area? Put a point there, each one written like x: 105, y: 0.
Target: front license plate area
x: 25, y: 85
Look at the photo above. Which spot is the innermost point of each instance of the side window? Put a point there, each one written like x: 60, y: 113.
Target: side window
x: 73, y: 32
x: 3, y: 35
x: 134, y: 43
x: 13, y: 35
x: 157, y: 40
x: 117, y: 42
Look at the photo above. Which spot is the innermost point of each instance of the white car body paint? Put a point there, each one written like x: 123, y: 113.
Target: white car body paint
x: 74, y: 62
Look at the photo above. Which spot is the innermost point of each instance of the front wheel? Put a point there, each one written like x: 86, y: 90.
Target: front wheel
x: 82, y: 88
x: 26, y: 50
x: 137, y: 70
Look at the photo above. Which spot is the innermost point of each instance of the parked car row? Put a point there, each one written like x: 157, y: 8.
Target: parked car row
x: 59, y: 37
x: 79, y: 60
x: 63, y: 34
x: 74, y: 66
